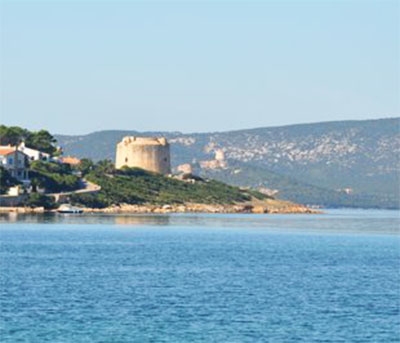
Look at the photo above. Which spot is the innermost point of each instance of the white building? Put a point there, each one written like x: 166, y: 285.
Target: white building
x: 34, y: 155
x: 15, y: 162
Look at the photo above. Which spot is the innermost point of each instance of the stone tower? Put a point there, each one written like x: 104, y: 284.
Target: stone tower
x: 149, y: 153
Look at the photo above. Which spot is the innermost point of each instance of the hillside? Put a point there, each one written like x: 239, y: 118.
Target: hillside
x: 345, y: 163
x: 137, y: 186
x: 136, y: 190
x: 285, y: 187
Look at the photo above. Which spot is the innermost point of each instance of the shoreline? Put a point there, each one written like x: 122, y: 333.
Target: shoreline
x: 261, y: 207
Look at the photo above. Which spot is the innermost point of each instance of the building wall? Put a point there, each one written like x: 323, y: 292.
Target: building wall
x: 9, y: 200
x: 149, y: 153
x: 34, y: 155
x: 16, y: 164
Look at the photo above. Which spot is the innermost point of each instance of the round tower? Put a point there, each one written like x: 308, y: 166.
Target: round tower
x: 149, y: 153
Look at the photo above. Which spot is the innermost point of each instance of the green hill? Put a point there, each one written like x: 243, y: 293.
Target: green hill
x: 137, y: 186
x: 288, y: 188
x: 310, y: 163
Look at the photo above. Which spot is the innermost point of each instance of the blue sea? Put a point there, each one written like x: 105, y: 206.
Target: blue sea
x: 332, y: 277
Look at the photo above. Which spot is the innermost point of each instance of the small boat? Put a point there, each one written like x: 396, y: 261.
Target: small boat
x: 67, y: 208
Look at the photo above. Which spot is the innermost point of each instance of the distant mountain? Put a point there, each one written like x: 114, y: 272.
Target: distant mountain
x: 344, y: 163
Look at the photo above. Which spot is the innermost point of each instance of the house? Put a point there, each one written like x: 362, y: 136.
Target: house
x: 15, y: 162
x: 71, y: 160
x: 34, y: 155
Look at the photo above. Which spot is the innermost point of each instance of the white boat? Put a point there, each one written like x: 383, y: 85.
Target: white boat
x: 67, y: 208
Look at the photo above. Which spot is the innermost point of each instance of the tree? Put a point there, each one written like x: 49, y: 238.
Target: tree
x: 12, y: 135
x: 40, y: 200
x: 41, y: 140
x: 105, y: 167
x: 86, y: 166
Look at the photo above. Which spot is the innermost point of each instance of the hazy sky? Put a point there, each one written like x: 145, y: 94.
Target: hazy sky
x: 81, y: 66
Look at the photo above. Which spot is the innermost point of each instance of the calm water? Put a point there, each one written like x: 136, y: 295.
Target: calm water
x: 201, y: 278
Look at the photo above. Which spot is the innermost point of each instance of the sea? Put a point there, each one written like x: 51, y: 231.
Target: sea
x: 330, y: 277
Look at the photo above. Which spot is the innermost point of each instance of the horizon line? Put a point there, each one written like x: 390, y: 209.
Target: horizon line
x: 224, y: 131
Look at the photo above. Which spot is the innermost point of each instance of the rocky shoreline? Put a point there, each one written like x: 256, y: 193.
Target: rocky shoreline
x: 260, y: 207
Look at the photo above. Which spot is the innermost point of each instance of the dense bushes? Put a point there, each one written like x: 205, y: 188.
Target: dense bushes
x: 90, y: 200
x: 6, y: 180
x: 53, y: 177
x: 40, y: 200
x: 137, y: 186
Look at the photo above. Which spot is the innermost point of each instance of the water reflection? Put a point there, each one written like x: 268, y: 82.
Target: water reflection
x: 343, y: 221
x: 58, y: 218
x: 141, y: 220
x: 187, y: 219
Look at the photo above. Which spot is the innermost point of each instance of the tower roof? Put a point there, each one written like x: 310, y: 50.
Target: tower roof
x: 144, y: 140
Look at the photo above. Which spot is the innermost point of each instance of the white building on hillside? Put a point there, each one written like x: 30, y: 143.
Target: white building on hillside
x: 15, y: 162
x: 33, y: 154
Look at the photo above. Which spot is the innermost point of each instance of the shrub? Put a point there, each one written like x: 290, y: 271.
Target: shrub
x: 6, y: 180
x: 40, y: 200
x: 53, y: 177
x: 89, y: 200
x: 137, y: 186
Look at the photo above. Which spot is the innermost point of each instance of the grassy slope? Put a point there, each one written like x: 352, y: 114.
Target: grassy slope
x: 136, y: 186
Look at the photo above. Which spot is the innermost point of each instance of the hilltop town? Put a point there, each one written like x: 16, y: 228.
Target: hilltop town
x: 36, y: 176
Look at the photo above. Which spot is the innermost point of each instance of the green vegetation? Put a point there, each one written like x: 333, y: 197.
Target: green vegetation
x: 137, y: 186
x: 371, y: 173
x: 6, y: 180
x: 40, y: 140
x: 130, y: 185
x: 98, y: 200
x: 300, y: 192
x: 85, y: 167
x: 53, y: 177
x: 307, y: 163
x: 40, y: 200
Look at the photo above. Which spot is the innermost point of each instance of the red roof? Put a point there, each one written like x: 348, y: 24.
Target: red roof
x: 6, y: 151
x: 70, y: 160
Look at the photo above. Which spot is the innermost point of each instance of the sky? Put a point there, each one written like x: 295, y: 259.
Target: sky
x: 74, y: 67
